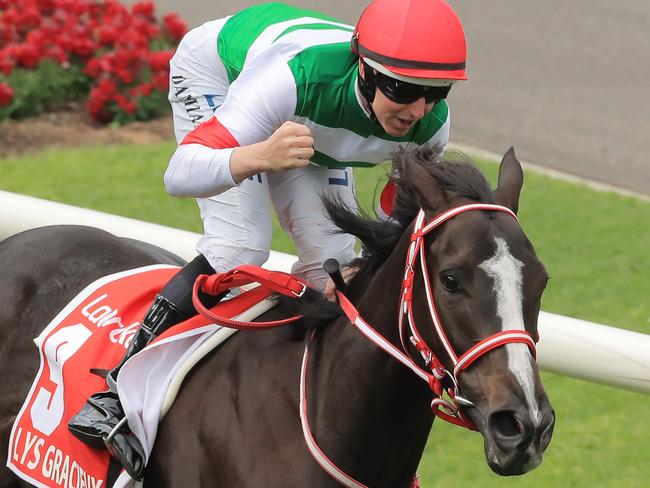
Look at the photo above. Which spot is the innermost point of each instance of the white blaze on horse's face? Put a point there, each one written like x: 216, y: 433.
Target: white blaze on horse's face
x: 506, y: 271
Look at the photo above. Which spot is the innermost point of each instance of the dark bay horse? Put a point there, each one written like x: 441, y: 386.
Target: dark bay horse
x: 236, y: 420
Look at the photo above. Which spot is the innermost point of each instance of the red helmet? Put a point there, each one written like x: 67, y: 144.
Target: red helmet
x: 418, y: 41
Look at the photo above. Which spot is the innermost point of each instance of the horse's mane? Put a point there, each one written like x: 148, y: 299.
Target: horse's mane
x: 458, y: 178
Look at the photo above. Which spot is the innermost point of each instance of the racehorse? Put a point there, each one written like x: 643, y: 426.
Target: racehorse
x: 236, y: 421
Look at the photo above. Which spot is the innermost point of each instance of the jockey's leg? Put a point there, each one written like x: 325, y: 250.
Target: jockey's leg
x: 173, y: 304
x: 296, y: 198
x: 97, y: 422
x: 237, y: 225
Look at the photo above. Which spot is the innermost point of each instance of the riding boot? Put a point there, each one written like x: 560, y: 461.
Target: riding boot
x: 101, y: 422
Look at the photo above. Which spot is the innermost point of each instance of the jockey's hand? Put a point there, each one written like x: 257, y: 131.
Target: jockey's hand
x: 290, y: 146
x: 330, y: 288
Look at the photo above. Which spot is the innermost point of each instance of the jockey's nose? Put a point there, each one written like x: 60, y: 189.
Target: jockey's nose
x: 416, y: 109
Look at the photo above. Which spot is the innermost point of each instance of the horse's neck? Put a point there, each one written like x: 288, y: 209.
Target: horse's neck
x: 375, y: 412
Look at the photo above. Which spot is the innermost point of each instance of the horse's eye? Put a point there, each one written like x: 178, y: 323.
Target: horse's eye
x: 450, y: 283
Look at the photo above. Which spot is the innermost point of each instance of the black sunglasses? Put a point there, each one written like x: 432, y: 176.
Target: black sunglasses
x: 403, y: 92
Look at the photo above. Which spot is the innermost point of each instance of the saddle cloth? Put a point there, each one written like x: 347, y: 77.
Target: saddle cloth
x: 93, y: 331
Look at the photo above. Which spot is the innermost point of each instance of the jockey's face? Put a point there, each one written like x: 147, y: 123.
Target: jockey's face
x: 397, y: 118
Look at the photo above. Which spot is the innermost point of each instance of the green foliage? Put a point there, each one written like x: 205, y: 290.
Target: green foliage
x: 152, y: 106
x: 48, y: 86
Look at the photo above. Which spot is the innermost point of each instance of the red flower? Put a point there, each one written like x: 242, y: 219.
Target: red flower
x: 108, y: 34
x: 10, y: 17
x: 139, y: 56
x: 124, y: 75
x: 121, y: 58
x: 83, y: 47
x: 64, y: 41
x: 31, y: 18
x: 6, y: 94
x: 57, y: 54
x: 38, y: 39
x: 107, y: 87
x: 160, y: 81
x: 97, y: 100
x: 93, y: 68
x: 175, y: 26
x: 6, y: 33
x: 27, y: 55
x: 95, y: 9
x: 159, y: 60
x: 132, y: 39
x: 143, y: 90
x: 113, y: 8
x: 150, y: 30
x: 145, y: 8
x: 45, y: 6
x: 124, y: 103
x: 6, y: 65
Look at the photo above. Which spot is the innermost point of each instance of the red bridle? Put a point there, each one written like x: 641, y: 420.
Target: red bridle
x: 449, y: 410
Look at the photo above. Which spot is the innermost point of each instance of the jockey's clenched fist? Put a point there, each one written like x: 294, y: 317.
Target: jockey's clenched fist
x: 290, y: 146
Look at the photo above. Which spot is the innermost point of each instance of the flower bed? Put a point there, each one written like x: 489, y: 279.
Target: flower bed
x: 56, y: 51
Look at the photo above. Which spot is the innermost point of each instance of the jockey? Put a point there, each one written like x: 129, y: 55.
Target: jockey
x: 274, y: 105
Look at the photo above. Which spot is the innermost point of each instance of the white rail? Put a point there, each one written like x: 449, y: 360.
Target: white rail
x: 571, y: 347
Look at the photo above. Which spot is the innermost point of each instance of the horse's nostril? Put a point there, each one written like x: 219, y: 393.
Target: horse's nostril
x: 547, y: 433
x: 508, y: 430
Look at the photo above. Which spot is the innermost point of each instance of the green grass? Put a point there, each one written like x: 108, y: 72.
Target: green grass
x: 594, y: 244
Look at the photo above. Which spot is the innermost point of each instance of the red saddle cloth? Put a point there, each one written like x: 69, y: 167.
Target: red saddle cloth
x: 92, y: 331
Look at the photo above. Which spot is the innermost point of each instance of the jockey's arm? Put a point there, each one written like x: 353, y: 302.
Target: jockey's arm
x: 250, y: 133
x: 291, y: 146
x: 198, y: 170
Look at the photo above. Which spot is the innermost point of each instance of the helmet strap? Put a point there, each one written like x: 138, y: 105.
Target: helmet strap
x: 368, y: 86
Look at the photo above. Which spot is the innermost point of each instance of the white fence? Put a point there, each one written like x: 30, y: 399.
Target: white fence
x: 571, y: 347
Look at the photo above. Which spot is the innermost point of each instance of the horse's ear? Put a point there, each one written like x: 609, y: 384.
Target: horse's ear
x: 430, y: 194
x: 511, y: 179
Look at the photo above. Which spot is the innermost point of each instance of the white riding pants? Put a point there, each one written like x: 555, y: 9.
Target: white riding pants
x: 238, y: 223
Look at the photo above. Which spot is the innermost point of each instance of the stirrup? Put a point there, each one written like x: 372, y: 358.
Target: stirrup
x: 96, y: 419
x: 125, y: 447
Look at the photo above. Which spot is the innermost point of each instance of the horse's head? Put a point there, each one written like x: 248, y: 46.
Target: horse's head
x: 484, y: 278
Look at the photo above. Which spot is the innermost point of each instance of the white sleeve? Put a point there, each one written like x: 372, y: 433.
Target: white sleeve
x: 259, y: 101
x: 198, y: 171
